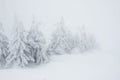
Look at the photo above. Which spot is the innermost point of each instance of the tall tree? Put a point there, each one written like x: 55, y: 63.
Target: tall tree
x: 19, y: 54
x: 61, y: 40
x: 4, y: 50
x: 36, y: 44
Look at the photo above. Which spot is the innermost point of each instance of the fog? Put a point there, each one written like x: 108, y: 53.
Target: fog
x: 100, y: 18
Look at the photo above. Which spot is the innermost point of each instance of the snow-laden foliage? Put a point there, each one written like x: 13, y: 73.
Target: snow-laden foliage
x: 85, y: 41
x: 4, y: 49
x: 19, y: 54
x: 36, y: 44
x: 62, y: 41
x: 30, y: 48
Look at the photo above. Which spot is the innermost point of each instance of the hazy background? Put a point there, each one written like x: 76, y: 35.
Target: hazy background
x: 100, y: 17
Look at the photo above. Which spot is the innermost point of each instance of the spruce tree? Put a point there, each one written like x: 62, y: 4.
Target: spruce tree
x: 19, y: 54
x: 36, y: 44
x: 4, y: 49
x: 61, y: 40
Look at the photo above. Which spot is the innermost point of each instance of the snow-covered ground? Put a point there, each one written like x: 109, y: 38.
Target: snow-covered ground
x: 100, y: 17
x: 90, y: 66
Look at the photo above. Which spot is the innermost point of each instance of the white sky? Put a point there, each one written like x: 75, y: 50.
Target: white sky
x: 101, y: 17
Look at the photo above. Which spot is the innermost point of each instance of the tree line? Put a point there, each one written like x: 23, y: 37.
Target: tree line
x: 29, y: 48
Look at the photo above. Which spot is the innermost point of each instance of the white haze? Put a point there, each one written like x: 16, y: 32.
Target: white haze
x: 100, y: 17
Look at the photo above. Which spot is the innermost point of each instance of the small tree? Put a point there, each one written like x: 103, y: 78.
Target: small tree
x: 86, y: 42
x: 19, y: 54
x: 36, y: 44
x: 4, y: 50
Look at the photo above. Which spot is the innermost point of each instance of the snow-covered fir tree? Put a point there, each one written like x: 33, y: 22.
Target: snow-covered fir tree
x: 4, y: 49
x: 86, y: 42
x: 19, y: 54
x: 36, y: 44
x: 61, y: 40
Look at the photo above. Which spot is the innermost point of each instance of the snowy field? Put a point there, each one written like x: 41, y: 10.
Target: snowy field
x: 92, y: 66
x: 100, y: 17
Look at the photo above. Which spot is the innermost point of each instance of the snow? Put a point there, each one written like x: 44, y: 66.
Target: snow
x: 100, y: 17
x: 92, y: 66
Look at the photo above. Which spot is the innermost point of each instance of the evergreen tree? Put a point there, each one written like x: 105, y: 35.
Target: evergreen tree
x: 61, y: 42
x: 4, y: 50
x: 36, y: 44
x: 19, y: 54
x: 86, y: 42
